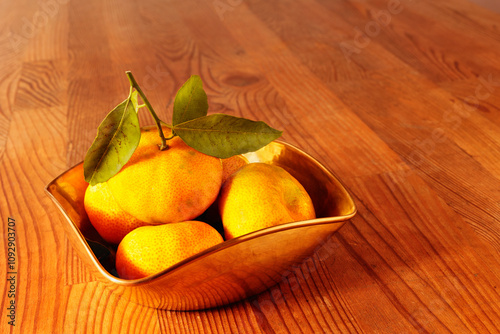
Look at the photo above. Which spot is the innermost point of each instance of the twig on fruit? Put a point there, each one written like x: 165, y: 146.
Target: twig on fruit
x: 133, y: 83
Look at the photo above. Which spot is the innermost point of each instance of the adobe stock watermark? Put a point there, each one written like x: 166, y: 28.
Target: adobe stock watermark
x: 223, y: 6
x: 454, y: 117
x: 325, y: 249
x: 154, y: 76
x: 11, y: 271
x: 363, y: 37
x: 31, y: 26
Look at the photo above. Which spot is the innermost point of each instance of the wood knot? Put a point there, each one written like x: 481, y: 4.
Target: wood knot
x: 241, y: 80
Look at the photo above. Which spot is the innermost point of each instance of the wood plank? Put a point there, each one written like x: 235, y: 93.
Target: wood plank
x: 397, y: 98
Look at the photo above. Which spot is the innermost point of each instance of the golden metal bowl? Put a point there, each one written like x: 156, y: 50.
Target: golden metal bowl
x: 228, y: 272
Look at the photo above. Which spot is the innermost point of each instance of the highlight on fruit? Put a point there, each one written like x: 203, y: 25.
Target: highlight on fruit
x: 163, y: 193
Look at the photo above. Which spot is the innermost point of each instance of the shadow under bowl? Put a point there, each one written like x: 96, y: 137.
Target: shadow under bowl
x: 228, y: 272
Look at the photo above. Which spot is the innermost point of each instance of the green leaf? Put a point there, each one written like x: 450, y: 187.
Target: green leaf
x: 116, y: 140
x: 223, y: 136
x: 190, y: 101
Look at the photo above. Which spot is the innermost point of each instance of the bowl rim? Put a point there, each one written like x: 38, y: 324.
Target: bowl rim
x: 216, y: 248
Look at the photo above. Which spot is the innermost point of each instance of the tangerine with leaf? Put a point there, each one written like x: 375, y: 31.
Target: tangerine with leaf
x: 163, y: 175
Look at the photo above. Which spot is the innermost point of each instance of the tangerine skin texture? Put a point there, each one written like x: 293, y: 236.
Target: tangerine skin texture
x: 110, y: 221
x: 231, y: 165
x: 260, y: 195
x: 150, y: 249
x: 169, y: 186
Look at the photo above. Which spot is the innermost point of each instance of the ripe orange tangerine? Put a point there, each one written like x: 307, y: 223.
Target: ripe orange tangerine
x: 108, y: 218
x: 151, y: 249
x: 169, y: 186
x: 154, y: 187
x: 260, y: 195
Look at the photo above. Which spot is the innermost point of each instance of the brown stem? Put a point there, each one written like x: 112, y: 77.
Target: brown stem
x: 133, y: 83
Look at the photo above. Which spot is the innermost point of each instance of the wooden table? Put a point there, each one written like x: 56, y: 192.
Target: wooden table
x: 400, y: 99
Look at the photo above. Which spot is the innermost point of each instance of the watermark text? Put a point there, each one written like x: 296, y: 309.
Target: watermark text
x: 11, y: 271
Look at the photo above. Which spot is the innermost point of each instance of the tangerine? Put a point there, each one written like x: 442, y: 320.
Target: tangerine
x: 169, y: 186
x: 154, y: 187
x: 260, y: 195
x: 108, y: 218
x: 150, y: 249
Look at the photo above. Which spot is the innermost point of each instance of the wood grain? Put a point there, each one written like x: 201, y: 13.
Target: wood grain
x: 408, y: 117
